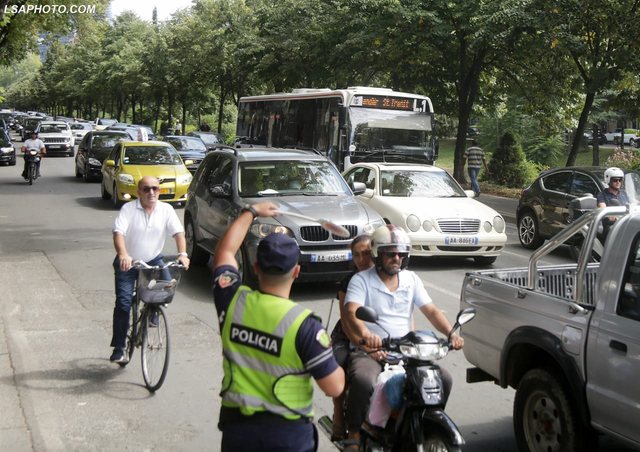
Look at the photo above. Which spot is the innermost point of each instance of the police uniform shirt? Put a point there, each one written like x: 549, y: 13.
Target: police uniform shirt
x: 309, y: 341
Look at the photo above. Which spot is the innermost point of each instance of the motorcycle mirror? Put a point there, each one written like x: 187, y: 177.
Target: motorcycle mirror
x: 464, y: 316
x: 366, y: 314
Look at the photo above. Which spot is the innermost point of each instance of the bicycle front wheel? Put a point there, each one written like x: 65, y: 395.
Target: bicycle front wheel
x: 155, y: 347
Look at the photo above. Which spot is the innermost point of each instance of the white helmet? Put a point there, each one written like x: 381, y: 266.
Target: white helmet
x: 612, y: 172
x: 389, y: 237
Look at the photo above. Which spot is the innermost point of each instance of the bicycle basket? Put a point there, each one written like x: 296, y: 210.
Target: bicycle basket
x: 158, y: 285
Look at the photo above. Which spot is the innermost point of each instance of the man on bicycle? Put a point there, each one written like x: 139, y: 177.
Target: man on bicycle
x: 393, y: 292
x: 271, y: 346
x: 33, y: 143
x: 139, y: 233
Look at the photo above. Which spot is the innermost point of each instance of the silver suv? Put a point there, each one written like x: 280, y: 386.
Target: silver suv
x: 299, y: 181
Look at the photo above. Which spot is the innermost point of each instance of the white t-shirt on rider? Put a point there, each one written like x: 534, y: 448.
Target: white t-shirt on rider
x: 33, y: 144
x: 144, y: 235
x: 394, y: 308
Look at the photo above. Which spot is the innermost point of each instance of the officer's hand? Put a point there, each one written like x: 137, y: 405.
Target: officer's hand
x: 266, y: 209
x: 457, y: 342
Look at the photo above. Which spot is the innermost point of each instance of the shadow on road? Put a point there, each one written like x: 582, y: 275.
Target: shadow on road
x: 82, y: 376
x: 96, y: 202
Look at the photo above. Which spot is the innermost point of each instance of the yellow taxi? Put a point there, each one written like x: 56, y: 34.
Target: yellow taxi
x: 129, y: 161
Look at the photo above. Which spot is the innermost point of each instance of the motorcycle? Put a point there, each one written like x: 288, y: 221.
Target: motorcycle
x: 32, y: 157
x: 417, y: 420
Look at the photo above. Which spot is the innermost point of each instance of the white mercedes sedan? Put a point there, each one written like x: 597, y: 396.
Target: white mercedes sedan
x: 440, y: 217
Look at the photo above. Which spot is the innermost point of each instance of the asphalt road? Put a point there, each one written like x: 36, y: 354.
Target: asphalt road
x: 58, y: 391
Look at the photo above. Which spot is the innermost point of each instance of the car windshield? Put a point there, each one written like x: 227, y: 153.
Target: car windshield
x: 209, y: 138
x: 287, y: 178
x: 187, y: 144
x: 105, y: 141
x: 429, y: 184
x: 80, y: 126
x: 52, y: 128
x: 151, y: 155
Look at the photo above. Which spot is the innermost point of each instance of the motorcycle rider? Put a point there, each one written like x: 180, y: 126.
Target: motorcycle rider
x: 613, y: 177
x: 33, y: 143
x: 393, y: 292
x: 272, y: 347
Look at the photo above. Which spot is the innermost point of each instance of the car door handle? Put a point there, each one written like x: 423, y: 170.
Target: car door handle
x: 617, y: 345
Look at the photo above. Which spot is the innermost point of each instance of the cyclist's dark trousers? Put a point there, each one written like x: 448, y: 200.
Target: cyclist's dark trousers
x: 24, y: 172
x: 125, y: 284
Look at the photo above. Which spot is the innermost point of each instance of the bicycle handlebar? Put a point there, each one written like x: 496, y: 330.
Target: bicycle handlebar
x: 142, y: 264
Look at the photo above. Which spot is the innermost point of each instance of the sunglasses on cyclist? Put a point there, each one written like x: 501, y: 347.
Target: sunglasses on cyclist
x: 390, y: 254
x: 148, y: 188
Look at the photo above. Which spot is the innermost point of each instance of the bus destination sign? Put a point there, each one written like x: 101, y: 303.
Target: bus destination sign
x: 384, y: 102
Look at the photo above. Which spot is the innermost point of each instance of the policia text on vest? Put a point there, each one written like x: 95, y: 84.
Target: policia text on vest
x: 257, y: 339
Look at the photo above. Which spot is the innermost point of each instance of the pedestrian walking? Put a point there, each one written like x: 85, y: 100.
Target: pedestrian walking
x: 474, y: 156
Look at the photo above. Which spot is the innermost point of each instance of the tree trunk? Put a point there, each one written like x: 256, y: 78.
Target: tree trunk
x: 133, y: 109
x: 582, y: 122
x: 596, y: 145
x: 223, y: 96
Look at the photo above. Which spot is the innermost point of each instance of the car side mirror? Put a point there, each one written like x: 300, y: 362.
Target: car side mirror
x: 109, y: 163
x: 357, y: 188
x: 470, y: 193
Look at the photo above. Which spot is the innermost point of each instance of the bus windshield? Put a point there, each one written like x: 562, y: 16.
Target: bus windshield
x: 390, y: 130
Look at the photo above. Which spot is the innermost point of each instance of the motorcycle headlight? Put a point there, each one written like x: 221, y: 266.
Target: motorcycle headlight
x: 413, y: 223
x: 126, y: 179
x: 427, y: 352
x: 185, y: 179
x: 498, y: 224
x: 94, y: 162
x: 262, y: 230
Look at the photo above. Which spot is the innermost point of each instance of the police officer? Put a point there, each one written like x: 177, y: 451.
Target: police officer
x: 271, y: 346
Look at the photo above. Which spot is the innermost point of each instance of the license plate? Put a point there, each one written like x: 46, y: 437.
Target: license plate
x: 334, y: 257
x: 166, y: 191
x: 55, y: 146
x: 461, y: 240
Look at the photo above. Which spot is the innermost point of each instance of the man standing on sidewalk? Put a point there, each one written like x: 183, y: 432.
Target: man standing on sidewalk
x: 474, y: 156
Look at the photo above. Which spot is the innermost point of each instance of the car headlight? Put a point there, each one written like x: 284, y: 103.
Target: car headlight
x: 370, y: 227
x: 185, y: 179
x: 94, y: 162
x: 126, y: 178
x: 427, y: 352
x: 262, y: 230
x: 487, y: 226
x: 413, y: 223
x: 6, y: 150
x: 427, y: 225
x: 498, y: 224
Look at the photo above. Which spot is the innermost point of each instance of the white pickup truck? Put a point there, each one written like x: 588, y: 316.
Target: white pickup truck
x: 566, y: 337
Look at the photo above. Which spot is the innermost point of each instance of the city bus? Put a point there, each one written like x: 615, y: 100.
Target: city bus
x: 346, y: 125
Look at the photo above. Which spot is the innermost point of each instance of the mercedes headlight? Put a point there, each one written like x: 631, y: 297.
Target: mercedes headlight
x: 413, y: 223
x: 262, y: 230
x: 427, y: 226
x: 487, y: 226
x: 498, y: 224
x: 426, y: 352
x: 126, y: 178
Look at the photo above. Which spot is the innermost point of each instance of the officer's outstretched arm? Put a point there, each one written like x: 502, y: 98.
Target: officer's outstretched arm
x: 228, y: 246
x: 332, y: 384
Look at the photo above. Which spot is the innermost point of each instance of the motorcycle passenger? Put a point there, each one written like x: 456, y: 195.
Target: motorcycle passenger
x: 272, y: 346
x: 139, y: 234
x: 393, y: 292
x: 33, y: 143
x: 361, y: 252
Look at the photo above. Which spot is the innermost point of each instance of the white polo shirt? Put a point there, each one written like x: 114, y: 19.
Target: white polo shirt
x: 144, y: 235
x: 394, y: 308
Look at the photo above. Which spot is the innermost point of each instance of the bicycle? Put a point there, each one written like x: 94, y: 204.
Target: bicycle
x: 148, y: 326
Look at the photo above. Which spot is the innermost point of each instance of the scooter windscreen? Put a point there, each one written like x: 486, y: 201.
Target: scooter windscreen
x: 632, y: 187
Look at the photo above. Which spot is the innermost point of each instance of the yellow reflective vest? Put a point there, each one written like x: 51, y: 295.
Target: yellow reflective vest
x: 262, y: 369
